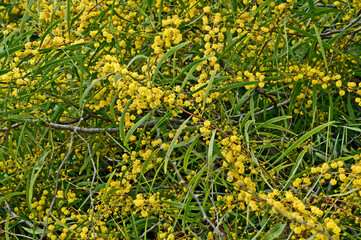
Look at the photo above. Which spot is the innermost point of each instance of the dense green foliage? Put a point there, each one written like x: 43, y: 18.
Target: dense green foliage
x: 180, y: 119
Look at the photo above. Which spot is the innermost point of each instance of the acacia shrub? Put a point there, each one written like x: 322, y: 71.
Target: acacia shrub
x: 180, y: 119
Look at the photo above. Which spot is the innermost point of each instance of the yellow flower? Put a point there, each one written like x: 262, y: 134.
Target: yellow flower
x: 139, y: 202
x: 144, y: 213
x: 207, y: 9
x: 333, y: 182
x: 207, y: 123
x: 339, y: 83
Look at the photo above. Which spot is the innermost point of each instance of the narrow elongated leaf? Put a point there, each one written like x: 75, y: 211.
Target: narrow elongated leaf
x: 210, y: 82
x: 311, y: 5
x: 302, y: 139
x: 122, y: 121
x: 136, y: 58
x: 173, y: 143
x: 10, y: 195
x: 269, y: 124
x: 321, y: 46
x: 134, y: 127
x: 90, y: 87
x: 34, y: 176
x: 166, y: 55
x: 210, y: 147
x: 295, y: 167
x: 274, y: 232
x: 261, y: 7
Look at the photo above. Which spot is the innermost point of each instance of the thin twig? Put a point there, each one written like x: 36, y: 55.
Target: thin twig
x: 151, y: 228
x: 173, y: 122
x: 15, y: 234
x: 14, y: 215
x: 267, y: 96
x: 12, y: 126
x: 274, y: 93
x: 91, y: 185
x: 57, y: 172
x: 355, y: 20
x: 266, y: 42
x: 241, y: 116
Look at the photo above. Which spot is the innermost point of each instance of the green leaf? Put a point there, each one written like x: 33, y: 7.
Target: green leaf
x: 32, y: 231
x: 321, y: 46
x: 161, y: 121
x: 136, y: 58
x: 85, y: 165
x: 241, y: 101
x: 210, y: 82
x: 147, y: 161
x: 122, y: 121
x: 182, y: 4
x: 210, y: 148
x: 134, y: 225
x: 188, y: 154
x: 105, y: 191
x: 350, y: 109
x: 261, y: 7
x: 68, y: 17
x: 192, y: 67
x: 302, y: 139
x: 274, y: 232
x: 173, y: 143
x: 268, y: 124
x: 112, y: 103
x: 185, y: 142
x: 33, y: 177
x: 295, y: 167
x: 90, y: 87
x: 47, y: 32
x: 10, y: 195
x: 134, y: 127
x: 311, y: 5
x: 7, y: 227
x: 149, y: 3
x: 307, y: 34
x: 166, y: 55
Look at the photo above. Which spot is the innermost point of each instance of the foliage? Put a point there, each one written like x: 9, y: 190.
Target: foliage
x: 180, y: 119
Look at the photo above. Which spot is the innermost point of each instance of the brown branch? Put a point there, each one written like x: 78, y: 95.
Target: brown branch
x: 337, y: 207
x: 265, y: 44
x: 15, y: 234
x: 354, y: 21
x: 67, y: 127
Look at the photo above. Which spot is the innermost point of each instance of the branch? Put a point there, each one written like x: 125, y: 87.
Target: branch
x: 241, y: 116
x: 15, y: 234
x: 343, y: 29
x: 57, y: 172
x: 14, y: 215
x: 151, y: 228
x: 273, y: 93
x: 82, y: 130
x: 91, y: 185
x: 173, y: 122
x: 12, y: 126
